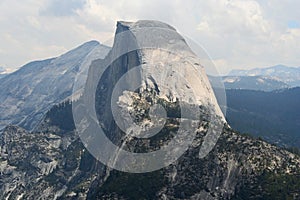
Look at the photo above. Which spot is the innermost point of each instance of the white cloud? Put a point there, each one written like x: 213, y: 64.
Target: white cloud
x: 244, y: 34
x: 236, y: 33
x: 61, y: 8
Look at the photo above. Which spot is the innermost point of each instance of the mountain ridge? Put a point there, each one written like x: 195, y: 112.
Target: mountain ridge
x: 288, y: 75
x: 29, y: 92
x: 259, y: 83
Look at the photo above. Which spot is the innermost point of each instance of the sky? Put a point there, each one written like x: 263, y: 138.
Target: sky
x: 237, y: 34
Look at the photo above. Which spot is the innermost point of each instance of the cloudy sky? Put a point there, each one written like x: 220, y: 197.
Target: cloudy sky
x: 235, y: 33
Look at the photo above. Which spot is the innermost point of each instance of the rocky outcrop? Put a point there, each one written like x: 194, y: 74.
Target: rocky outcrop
x: 236, y: 162
x: 45, y: 165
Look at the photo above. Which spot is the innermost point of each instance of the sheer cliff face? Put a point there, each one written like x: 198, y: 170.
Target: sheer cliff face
x: 168, y: 63
x: 150, y: 64
x: 150, y: 55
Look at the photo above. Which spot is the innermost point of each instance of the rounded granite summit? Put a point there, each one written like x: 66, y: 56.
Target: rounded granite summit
x: 145, y: 24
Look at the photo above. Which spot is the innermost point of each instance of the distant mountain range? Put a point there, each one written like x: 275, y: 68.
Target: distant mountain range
x: 29, y: 92
x: 264, y: 102
x: 288, y: 75
x: 262, y: 83
x: 261, y: 79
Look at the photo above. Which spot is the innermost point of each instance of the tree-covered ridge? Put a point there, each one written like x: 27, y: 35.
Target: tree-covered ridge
x: 273, y: 116
x: 61, y: 116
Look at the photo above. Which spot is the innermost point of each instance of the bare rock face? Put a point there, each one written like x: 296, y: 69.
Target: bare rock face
x: 44, y: 165
x: 153, y: 56
x: 146, y: 57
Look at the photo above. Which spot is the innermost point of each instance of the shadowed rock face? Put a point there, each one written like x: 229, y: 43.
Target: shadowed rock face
x: 54, y: 163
